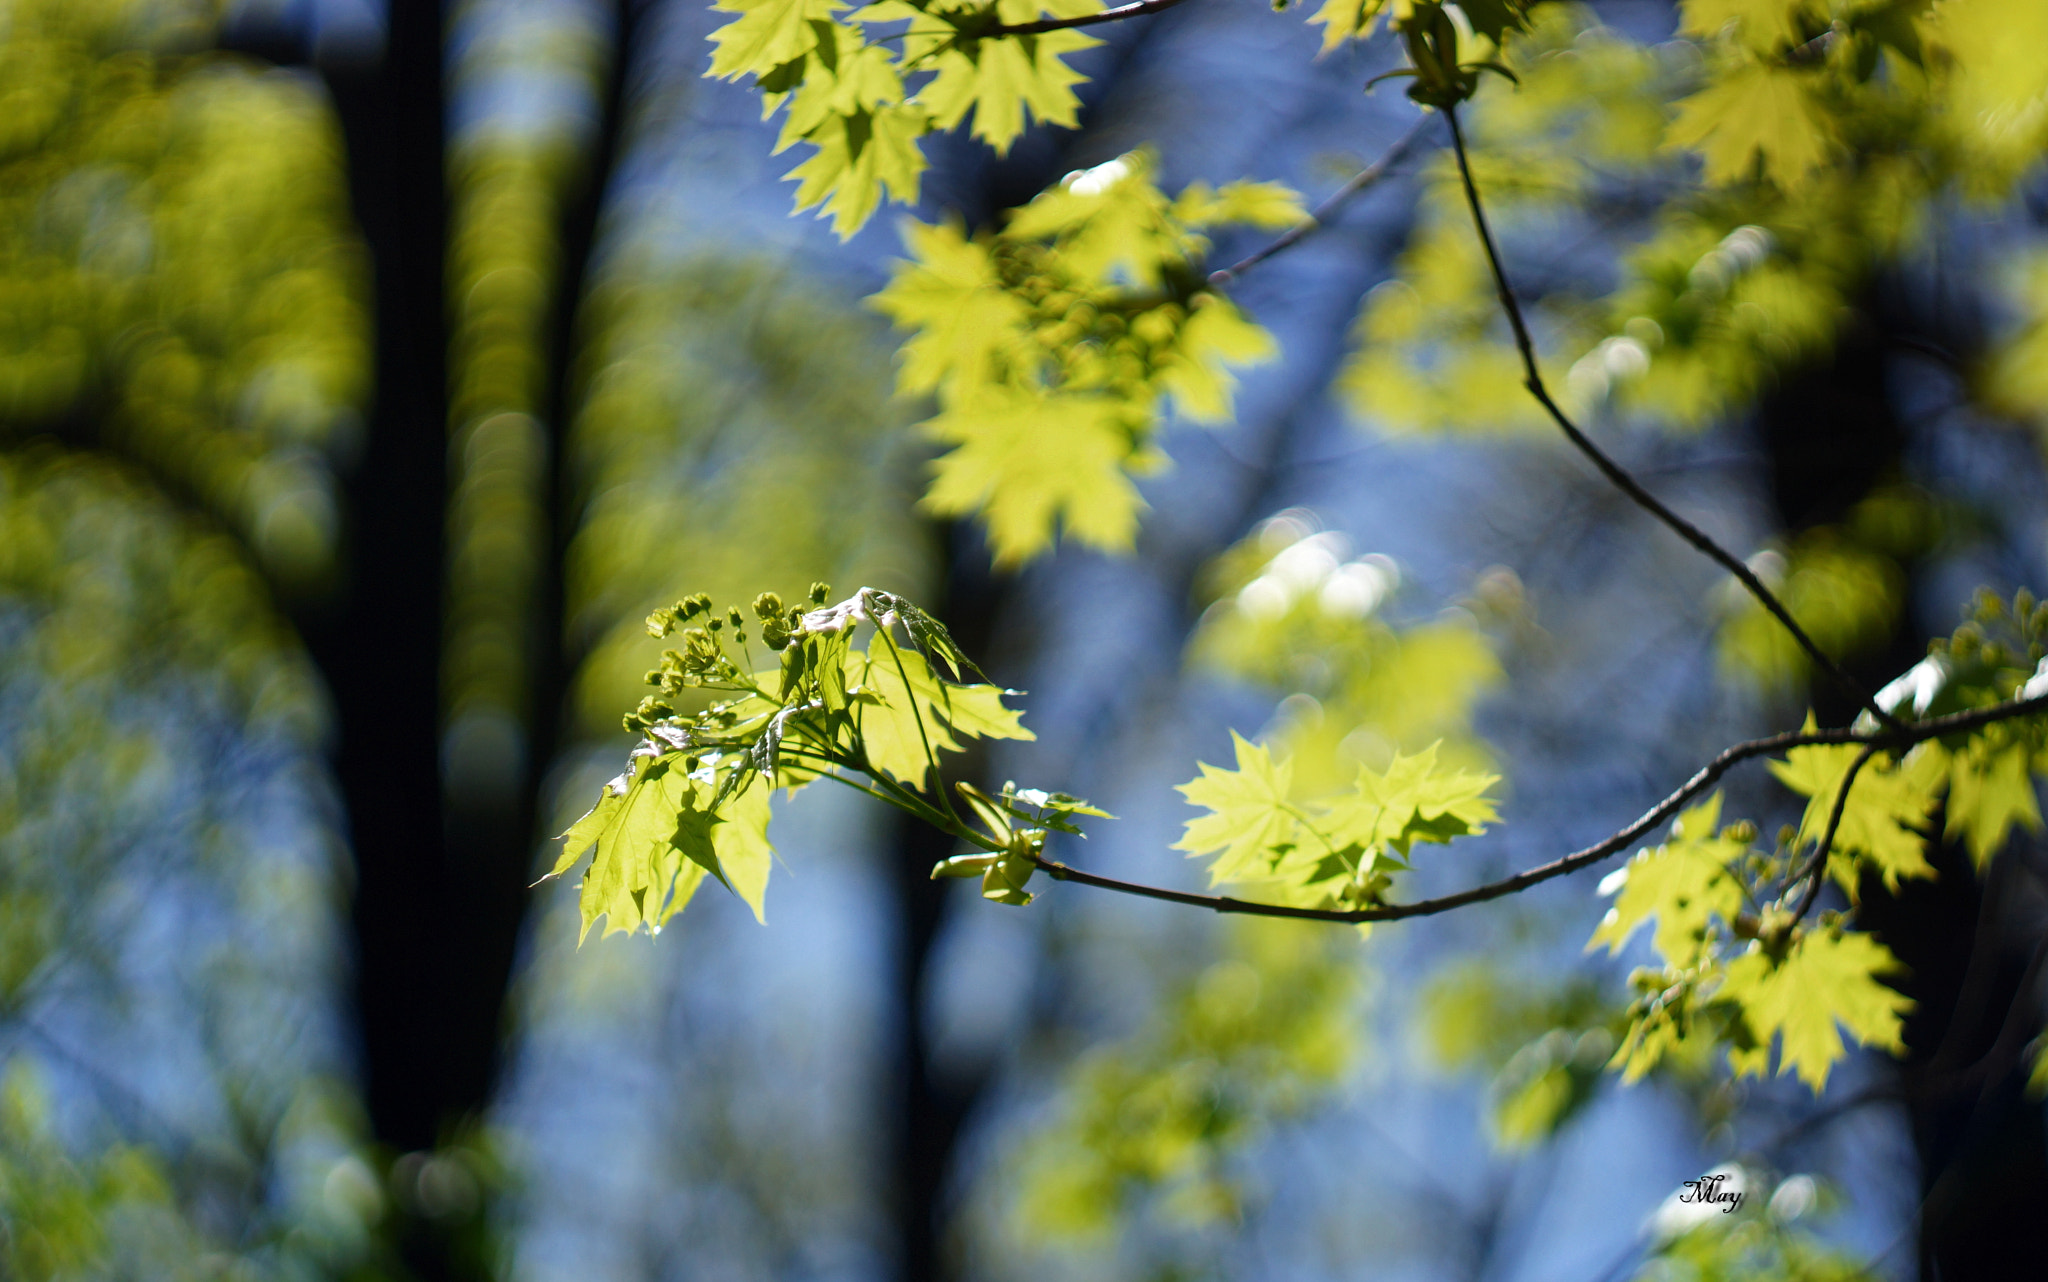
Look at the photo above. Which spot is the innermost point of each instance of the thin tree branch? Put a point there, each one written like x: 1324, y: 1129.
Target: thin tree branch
x: 1143, y: 8
x: 1817, y: 866
x: 1613, y: 471
x: 1365, y: 178
x: 1903, y: 737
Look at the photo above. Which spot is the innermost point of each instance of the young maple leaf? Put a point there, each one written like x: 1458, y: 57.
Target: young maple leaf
x: 1250, y: 824
x: 1683, y: 884
x: 1991, y: 789
x: 1029, y: 461
x: 1881, y: 822
x: 1826, y: 978
x: 1755, y: 110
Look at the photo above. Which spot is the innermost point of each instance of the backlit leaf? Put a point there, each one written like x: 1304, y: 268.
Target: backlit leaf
x: 1249, y: 820
x: 1827, y: 978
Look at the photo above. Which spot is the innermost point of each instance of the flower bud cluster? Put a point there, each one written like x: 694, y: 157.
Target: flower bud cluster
x: 665, y: 620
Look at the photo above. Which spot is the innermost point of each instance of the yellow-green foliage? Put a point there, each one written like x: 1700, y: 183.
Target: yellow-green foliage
x: 693, y: 798
x: 107, y: 592
x: 720, y: 400
x: 1373, y: 750
x: 176, y: 265
x: 843, y: 77
x: 1824, y: 152
x: 1737, y: 970
x: 1052, y: 345
x: 1150, y: 1123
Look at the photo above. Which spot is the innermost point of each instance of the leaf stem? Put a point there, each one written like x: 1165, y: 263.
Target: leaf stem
x: 1322, y: 213
x: 1613, y: 471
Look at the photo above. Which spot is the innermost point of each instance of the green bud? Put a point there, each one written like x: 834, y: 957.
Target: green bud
x: 660, y: 622
x: 714, y: 623
x: 767, y: 606
x: 819, y: 593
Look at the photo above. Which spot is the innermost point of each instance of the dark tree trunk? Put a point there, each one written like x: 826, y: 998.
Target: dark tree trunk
x: 1832, y: 436
x: 380, y: 645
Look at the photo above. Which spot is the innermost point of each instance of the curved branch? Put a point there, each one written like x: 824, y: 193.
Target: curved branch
x: 1365, y: 178
x: 1143, y: 8
x: 1613, y: 471
x: 1874, y: 740
x: 1816, y: 868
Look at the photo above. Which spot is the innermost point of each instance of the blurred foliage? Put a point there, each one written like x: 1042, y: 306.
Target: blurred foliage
x: 111, y: 607
x: 1833, y: 138
x: 1153, y: 1127
x: 1150, y: 1126
x: 178, y: 279
x: 1289, y: 611
x: 721, y: 399
x: 1754, y: 1237
x: 149, y: 697
x: 510, y: 180
x: 1053, y: 346
x: 179, y: 288
x: 1544, y: 1042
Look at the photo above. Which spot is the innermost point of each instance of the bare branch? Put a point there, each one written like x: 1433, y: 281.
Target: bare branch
x: 1816, y: 867
x: 1874, y: 740
x: 1365, y: 178
x: 1613, y: 472
x: 1143, y: 8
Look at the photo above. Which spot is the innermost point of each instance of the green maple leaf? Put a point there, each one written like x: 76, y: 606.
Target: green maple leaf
x: 1752, y: 111
x: 1991, y: 789
x: 859, y: 156
x: 656, y: 835
x: 766, y: 35
x: 1028, y: 462
x: 1109, y: 222
x: 969, y: 332
x: 1354, y: 19
x: 1251, y: 824
x: 1414, y: 800
x: 905, y: 709
x: 1003, y: 82
x: 636, y: 827
x: 856, y: 77
x: 1760, y: 24
x: 1260, y: 204
x: 1886, y: 809
x: 739, y: 844
x: 1193, y: 368
x: 1827, y: 978
x: 1682, y: 884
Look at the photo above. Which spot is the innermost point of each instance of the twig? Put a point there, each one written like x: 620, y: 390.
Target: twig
x: 1817, y: 866
x: 1707, y: 774
x: 1143, y: 8
x: 1613, y: 471
x: 1365, y: 178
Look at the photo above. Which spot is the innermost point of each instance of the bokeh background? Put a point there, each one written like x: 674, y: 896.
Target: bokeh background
x: 367, y: 373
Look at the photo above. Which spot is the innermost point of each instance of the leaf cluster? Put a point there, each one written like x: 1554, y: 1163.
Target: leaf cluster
x: 694, y: 797
x: 1053, y: 344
